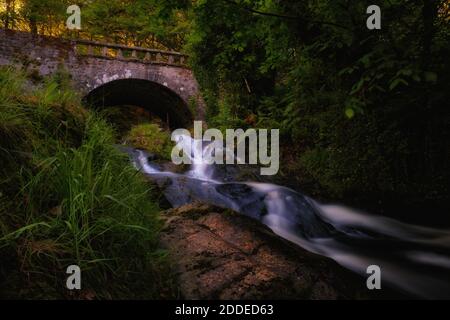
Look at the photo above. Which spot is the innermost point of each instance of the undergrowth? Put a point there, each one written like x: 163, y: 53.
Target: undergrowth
x: 67, y: 196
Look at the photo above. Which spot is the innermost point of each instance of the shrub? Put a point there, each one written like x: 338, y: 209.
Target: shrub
x: 152, y: 138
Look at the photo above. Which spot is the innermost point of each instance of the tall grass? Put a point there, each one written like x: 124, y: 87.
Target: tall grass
x: 69, y: 197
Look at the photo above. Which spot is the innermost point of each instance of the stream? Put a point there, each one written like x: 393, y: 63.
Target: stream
x: 413, y: 259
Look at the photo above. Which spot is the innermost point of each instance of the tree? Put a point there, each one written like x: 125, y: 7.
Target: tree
x: 8, y: 14
x: 363, y: 109
x: 44, y: 16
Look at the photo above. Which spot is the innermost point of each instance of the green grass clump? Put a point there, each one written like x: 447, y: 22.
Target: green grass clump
x: 67, y: 196
x: 151, y: 137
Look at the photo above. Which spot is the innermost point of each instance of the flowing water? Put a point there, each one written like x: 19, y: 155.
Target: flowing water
x: 412, y: 258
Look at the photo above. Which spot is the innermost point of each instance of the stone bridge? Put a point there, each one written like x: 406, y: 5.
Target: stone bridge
x: 111, y: 74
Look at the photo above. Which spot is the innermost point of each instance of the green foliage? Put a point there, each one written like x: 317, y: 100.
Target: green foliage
x: 158, y: 24
x: 67, y: 196
x: 363, y: 110
x: 150, y: 137
x: 43, y: 16
x: 142, y: 23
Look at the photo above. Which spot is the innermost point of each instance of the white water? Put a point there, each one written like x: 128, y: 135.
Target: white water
x: 412, y: 258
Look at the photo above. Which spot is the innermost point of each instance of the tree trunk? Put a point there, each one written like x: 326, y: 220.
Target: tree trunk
x: 33, y: 25
x: 9, y: 8
x: 429, y: 14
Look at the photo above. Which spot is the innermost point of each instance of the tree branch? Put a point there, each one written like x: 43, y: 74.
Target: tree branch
x: 282, y: 16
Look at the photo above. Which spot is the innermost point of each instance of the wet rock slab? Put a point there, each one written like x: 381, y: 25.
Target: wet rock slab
x: 219, y: 254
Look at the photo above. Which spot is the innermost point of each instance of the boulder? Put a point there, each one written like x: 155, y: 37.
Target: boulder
x: 219, y: 254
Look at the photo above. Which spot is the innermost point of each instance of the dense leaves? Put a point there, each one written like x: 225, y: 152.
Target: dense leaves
x: 154, y: 23
x: 366, y: 112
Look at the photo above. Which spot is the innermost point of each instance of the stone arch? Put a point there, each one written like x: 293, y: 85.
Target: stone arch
x: 154, y: 97
x: 93, y: 65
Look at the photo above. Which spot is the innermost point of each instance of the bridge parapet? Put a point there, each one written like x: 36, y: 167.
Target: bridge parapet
x: 122, y: 52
